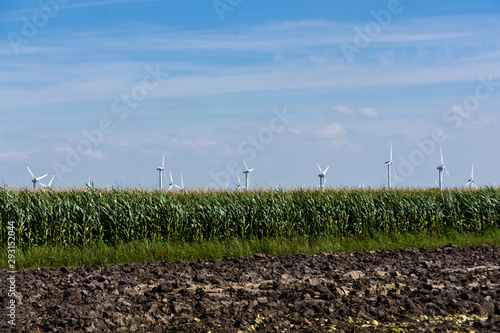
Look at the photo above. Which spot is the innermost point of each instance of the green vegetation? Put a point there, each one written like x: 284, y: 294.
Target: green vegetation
x: 125, y: 223
x: 101, y: 254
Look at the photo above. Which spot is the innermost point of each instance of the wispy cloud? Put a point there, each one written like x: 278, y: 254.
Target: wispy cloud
x: 14, y: 156
x: 331, y: 130
x: 343, y: 109
x: 369, y: 112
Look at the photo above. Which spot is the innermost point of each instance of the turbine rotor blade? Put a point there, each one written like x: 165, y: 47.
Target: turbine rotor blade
x: 319, y: 167
x: 32, y: 175
x: 246, y: 166
x: 50, y: 183
x: 328, y: 167
x: 441, y: 151
x: 165, y: 176
x: 395, y: 173
x: 41, y: 177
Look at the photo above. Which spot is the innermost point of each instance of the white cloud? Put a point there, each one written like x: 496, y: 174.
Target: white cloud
x: 343, y: 109
x: 369, y: 112
x: 332, y: 130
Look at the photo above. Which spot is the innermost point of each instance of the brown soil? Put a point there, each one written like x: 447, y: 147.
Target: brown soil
x: 447, y: 289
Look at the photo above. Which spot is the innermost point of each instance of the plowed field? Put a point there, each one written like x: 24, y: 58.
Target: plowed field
x: 446, y: 289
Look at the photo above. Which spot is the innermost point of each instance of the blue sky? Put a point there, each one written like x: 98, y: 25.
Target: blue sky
x: 104, y: 88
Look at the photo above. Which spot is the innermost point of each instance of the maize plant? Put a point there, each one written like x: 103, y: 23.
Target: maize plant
x: 77, y: 217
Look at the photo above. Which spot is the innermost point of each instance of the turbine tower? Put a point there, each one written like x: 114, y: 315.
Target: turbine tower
x: 322, y: 175
x: 471, y: 183
x: 441, y: 168
x: 35, y: 180
x: 389, y: 167
x: 247, y: 175
x: 160, y: 170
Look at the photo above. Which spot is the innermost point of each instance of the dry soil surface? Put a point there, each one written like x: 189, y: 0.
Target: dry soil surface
x: 448, y: 289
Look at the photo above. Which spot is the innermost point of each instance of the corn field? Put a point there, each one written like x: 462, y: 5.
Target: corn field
x: 83, y: 217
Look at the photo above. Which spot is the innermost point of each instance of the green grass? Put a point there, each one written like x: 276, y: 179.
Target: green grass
x: 142, y: 251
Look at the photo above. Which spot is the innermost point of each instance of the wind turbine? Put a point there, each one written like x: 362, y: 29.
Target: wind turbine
x: 238, y: 186
x: 389, y: 166
x: 471, y: 182
x: 160, y: 170
x: 35, y: 180
x: 322, y: 175
x: 247, y: 175
x: 171, y: 183
x: 90, y: 184
x: 49, y: 185
x: 441, y: 168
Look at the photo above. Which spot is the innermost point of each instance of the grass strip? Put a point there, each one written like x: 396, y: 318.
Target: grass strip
x: 143, y: 251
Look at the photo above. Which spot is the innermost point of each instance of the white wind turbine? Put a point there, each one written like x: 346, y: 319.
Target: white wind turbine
x: 49, y: 185
x: 247, y: 175
x: 239, y: 186
x: 441, y: 168
x: 35, y: 180
x: 471, y: 183
x: 322, y: 176
x: 389, y: 167
x: 161, y: 169
x: 171, y: 184
x: 90, y: 184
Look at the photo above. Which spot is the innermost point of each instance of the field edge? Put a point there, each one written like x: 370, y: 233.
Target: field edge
x: 144, y: 251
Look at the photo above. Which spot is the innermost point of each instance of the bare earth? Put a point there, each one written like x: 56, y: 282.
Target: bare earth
x: 449, y: 289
